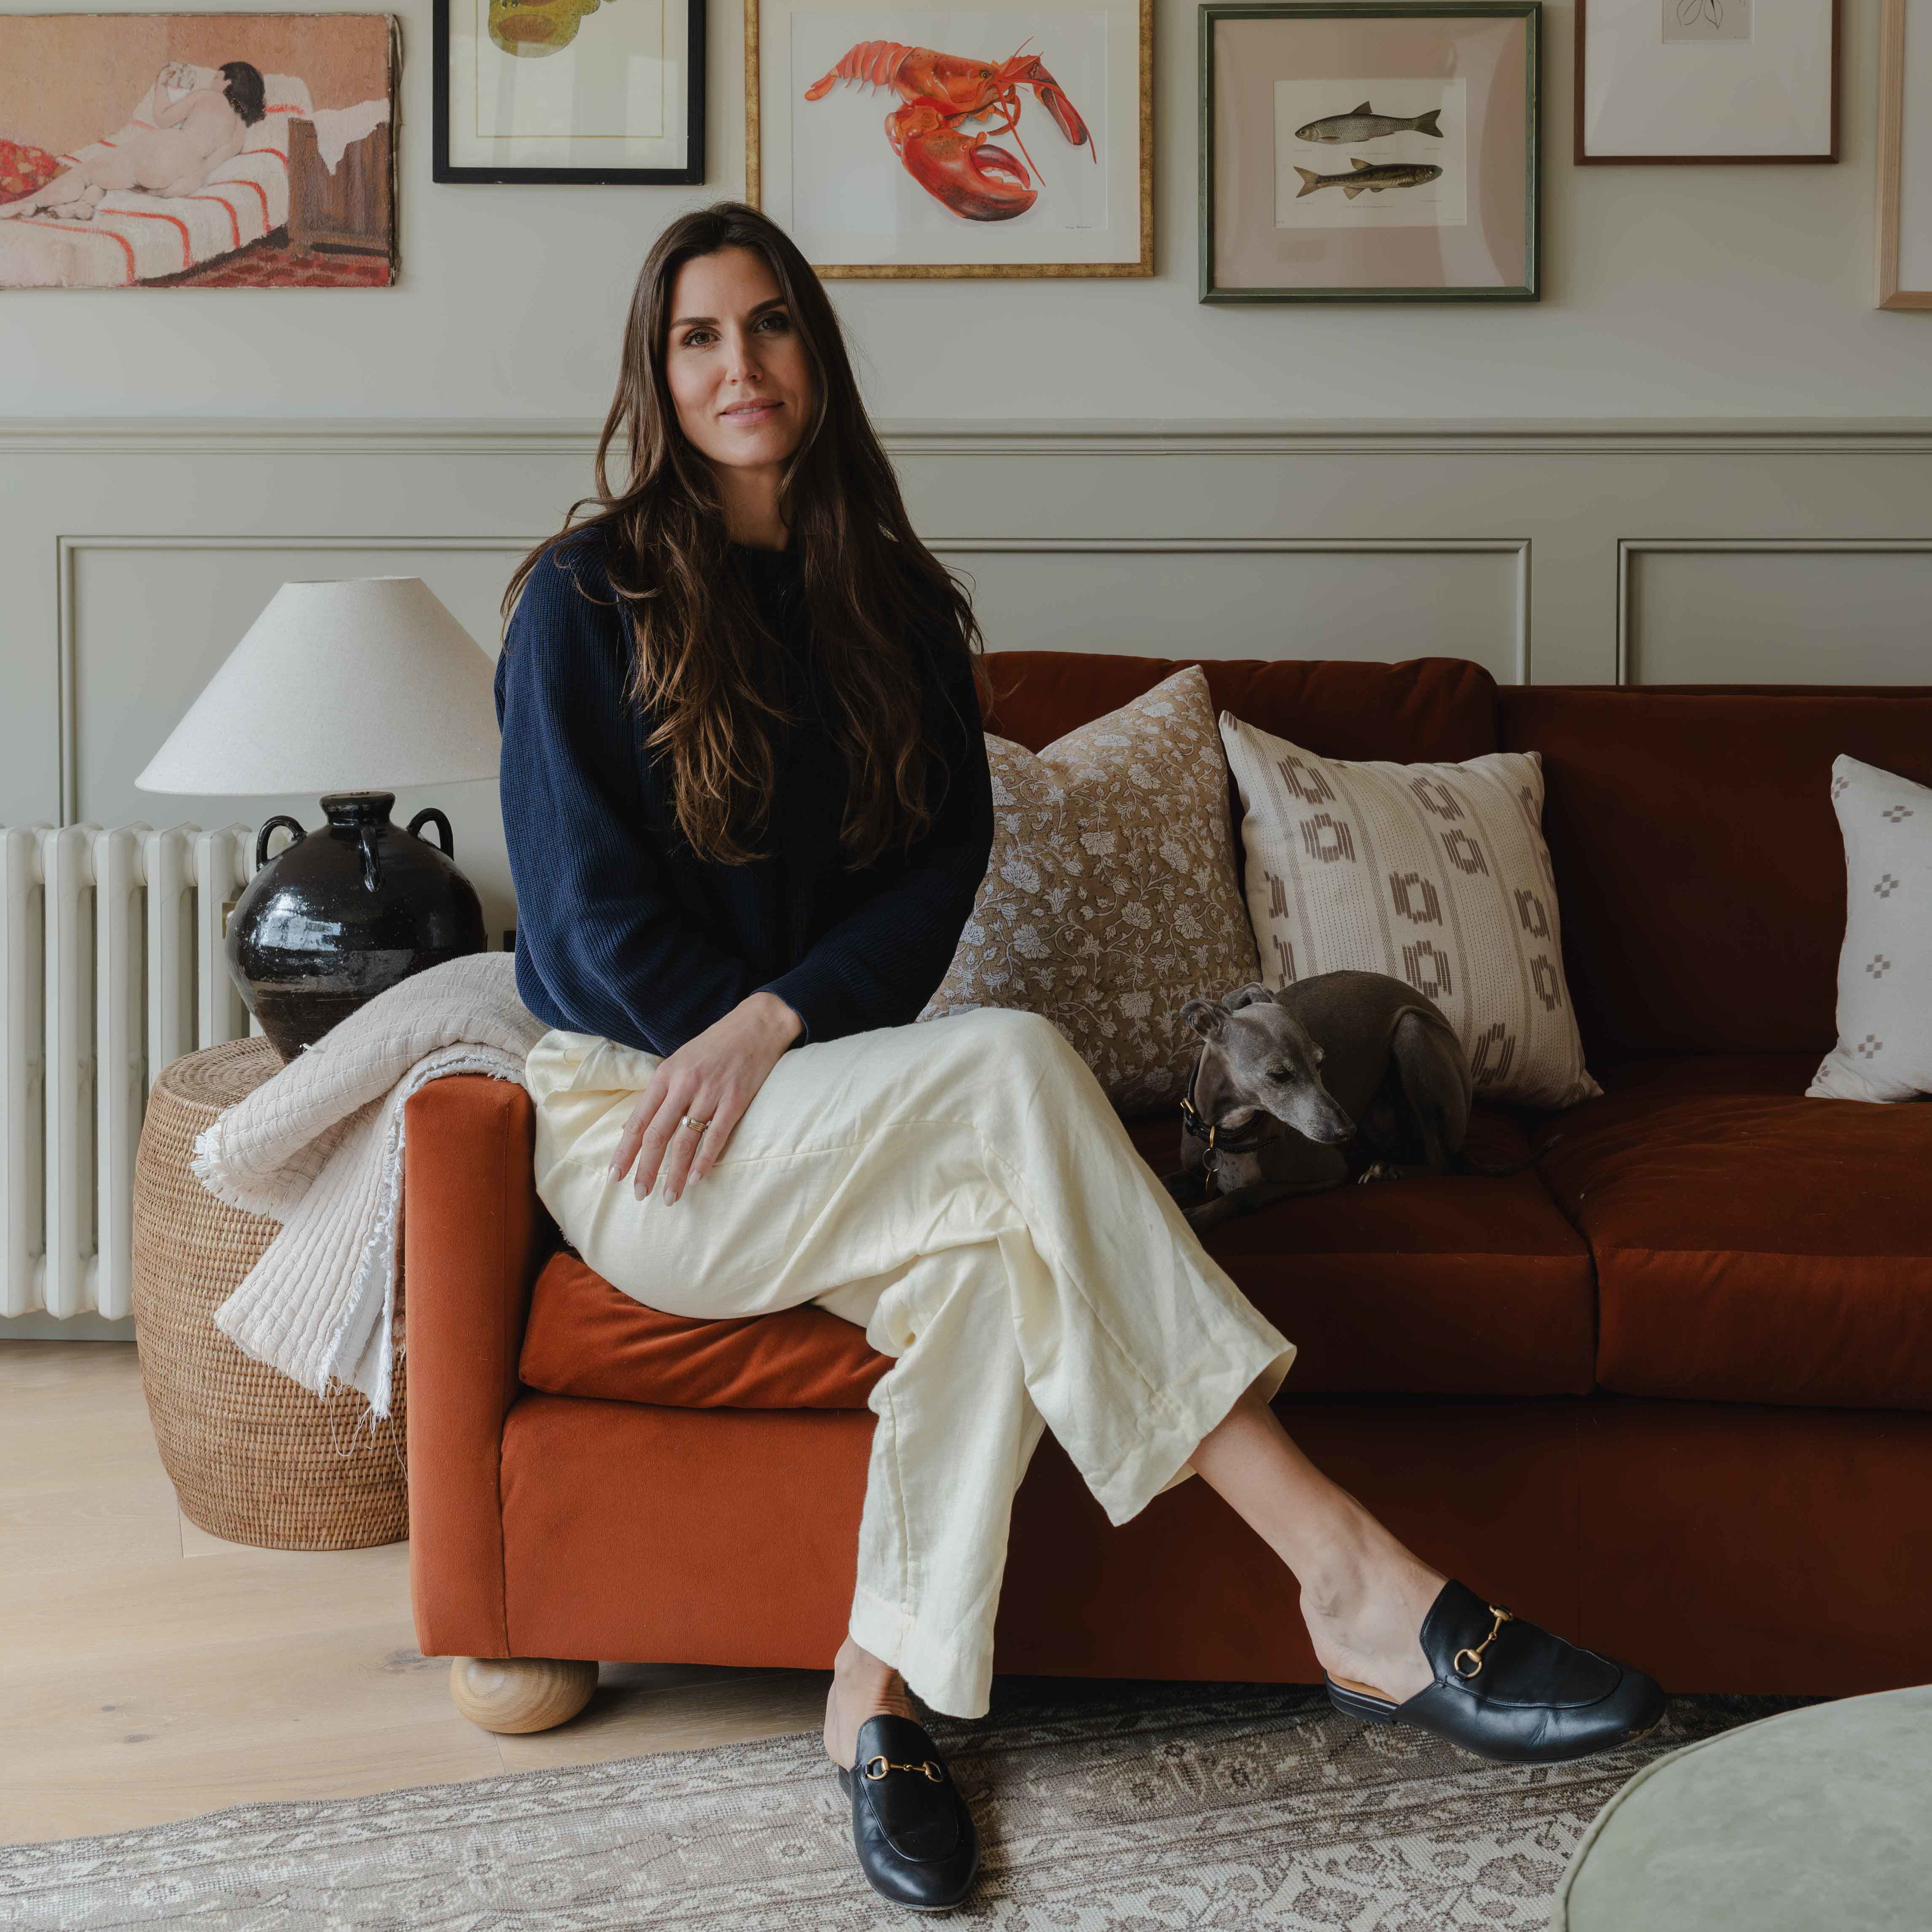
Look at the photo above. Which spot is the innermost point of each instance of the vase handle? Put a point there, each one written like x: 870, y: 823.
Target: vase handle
x: 295, y: 825
x: 430, y: 814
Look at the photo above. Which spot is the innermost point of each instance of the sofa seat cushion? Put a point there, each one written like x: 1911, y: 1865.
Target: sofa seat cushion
x: 586, y: 1338
x: 1462, y: 1286
x: 1450, y: 1285
x: 1752, y: 1245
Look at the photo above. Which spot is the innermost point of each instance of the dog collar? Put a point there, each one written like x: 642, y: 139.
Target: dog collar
x: 1220, y: 1140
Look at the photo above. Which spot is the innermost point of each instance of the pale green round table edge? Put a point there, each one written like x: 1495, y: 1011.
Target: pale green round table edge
x: 1808, y: 1717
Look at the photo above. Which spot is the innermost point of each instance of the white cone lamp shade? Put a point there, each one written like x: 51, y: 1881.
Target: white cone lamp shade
x: 364, y: 684
x: 351, y: 689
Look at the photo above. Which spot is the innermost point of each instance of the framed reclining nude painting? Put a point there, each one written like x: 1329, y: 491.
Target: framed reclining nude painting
x: 197, y: 150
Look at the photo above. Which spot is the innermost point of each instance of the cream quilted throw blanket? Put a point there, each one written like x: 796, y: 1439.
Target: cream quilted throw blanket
x: 319, y: 1146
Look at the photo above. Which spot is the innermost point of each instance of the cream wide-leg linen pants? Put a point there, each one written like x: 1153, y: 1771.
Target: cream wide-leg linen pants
x: 964, y: 1191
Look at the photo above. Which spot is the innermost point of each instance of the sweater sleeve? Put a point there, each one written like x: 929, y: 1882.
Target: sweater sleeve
x: 602, y: 946
x: 885, y: 959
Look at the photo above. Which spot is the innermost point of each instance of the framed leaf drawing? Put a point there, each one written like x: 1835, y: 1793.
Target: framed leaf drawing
x: 561, y: 91
x: 903, y: 138
x: 1707, y: 80
x: 1373, y: 153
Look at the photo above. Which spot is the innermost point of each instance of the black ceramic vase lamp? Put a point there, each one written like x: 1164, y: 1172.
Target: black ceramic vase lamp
x: 339, y: 688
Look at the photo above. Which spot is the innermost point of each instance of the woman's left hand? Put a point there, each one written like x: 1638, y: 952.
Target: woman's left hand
x: 713, y: 1077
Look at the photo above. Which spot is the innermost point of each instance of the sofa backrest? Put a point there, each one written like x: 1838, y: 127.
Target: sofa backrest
x: 1699, y: 864
x: 1427, y: 708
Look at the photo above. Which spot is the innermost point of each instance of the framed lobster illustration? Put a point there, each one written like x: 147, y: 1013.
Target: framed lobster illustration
x: 911, y: 139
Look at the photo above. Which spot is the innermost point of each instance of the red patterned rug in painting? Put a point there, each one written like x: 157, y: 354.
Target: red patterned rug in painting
x: 271, y: 263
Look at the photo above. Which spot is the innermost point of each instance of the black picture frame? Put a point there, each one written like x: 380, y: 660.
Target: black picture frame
x: 692, y: 171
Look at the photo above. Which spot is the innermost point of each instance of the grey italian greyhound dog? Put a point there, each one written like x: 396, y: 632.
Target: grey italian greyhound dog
x: 1286, y: 1081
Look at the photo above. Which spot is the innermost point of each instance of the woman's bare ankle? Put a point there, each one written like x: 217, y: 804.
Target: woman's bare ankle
x: 1366, y: 1627
x: 863, y: 1687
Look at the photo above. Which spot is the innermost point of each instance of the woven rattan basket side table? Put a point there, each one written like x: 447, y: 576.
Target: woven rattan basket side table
x: 254, y: 1457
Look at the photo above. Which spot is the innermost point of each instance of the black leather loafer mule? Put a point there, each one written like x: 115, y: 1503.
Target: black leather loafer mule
x: 914, y: 1836
x: 1506, y: 1689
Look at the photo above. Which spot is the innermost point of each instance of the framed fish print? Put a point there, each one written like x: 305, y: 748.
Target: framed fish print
x: 1014, y: 137
x: 1905, y: 155
x: 561, y: 90
x: 1372, y: 153
x: 1717, y: 81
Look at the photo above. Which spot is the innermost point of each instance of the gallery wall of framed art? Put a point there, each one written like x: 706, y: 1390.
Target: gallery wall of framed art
x: 569, y: 91
x: 1370, y: 153
x: 906, y: 140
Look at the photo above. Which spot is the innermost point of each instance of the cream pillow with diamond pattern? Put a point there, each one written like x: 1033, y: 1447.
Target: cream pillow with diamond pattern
x: 1885, y: 972
x: 1437, y: 874
x: 1110, y: 900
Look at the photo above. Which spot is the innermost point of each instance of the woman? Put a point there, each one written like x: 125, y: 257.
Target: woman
x: 191, y: 137
x: 732, y: 901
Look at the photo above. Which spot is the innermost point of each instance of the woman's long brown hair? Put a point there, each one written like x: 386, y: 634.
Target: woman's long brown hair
x: 704, y: 670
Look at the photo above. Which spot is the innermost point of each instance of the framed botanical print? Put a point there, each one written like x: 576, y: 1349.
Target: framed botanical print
x: 1370, y: 153
x: 903, y: 138
x: 559, y: 90
x: 1706, y: 81
x: 1905, y: 155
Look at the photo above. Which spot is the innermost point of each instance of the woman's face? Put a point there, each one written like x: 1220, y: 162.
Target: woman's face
x: 736, y: 365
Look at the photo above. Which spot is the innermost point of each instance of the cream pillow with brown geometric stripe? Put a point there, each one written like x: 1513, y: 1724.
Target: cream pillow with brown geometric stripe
x: 1110, y: 898
x: 1436, y: 874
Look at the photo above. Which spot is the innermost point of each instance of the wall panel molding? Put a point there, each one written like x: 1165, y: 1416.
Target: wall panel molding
x: 1516, y: 549
x: 1345, y: 539
x: 1122, y: 437
x: 1631, y: 641
x: 70, y: 550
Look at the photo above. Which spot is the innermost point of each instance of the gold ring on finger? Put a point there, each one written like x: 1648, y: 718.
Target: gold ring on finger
x: 696, y: 1126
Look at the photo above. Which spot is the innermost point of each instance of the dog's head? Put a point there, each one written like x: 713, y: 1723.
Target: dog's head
x: 1270, y: 1061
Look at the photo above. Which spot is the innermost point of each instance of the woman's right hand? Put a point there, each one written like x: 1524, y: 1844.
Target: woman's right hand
x: 714, y: 1077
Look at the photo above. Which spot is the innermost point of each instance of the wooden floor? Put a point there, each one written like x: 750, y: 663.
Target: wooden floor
x: 149, y: 1671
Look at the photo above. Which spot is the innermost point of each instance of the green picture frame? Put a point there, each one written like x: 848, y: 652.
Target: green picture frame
x: 1500, y: 220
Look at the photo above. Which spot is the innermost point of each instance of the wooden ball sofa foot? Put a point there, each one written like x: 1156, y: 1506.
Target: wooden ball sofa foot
x: 521, y: 1693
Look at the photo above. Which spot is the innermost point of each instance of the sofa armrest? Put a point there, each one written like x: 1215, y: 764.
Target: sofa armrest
x: 474, y: 1236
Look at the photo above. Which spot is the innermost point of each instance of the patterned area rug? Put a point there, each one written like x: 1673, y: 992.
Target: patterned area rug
x: 1176, y: 1806
x: 271, y: 263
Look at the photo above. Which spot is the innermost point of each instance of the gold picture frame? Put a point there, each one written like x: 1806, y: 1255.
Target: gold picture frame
x: 1132, y: 235
x: 1891, y: 143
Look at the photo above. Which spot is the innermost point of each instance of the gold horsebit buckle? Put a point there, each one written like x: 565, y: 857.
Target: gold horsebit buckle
x: 1475, y: 1656
x: 885, y: 1764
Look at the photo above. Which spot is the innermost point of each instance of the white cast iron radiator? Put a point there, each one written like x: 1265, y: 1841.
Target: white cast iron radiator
x: 111, y: 965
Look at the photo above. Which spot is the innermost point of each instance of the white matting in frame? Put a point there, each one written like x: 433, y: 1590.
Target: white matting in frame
x: 1706, y: 80
x: 613, y: 97
x: 826, y: 169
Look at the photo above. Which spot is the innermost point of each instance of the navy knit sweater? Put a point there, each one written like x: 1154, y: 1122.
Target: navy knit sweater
x: 622, y: 930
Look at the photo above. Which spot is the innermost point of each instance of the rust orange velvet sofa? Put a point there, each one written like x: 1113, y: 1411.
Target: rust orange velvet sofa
x: 1668, y: 1392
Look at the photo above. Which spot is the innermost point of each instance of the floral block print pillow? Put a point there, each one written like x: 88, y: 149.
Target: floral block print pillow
x: 1435, y: 875
x: 1110, y: 899
x: 1885, y: 1017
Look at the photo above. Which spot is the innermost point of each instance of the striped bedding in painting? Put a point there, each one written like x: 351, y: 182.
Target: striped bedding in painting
x: 137, y: 238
